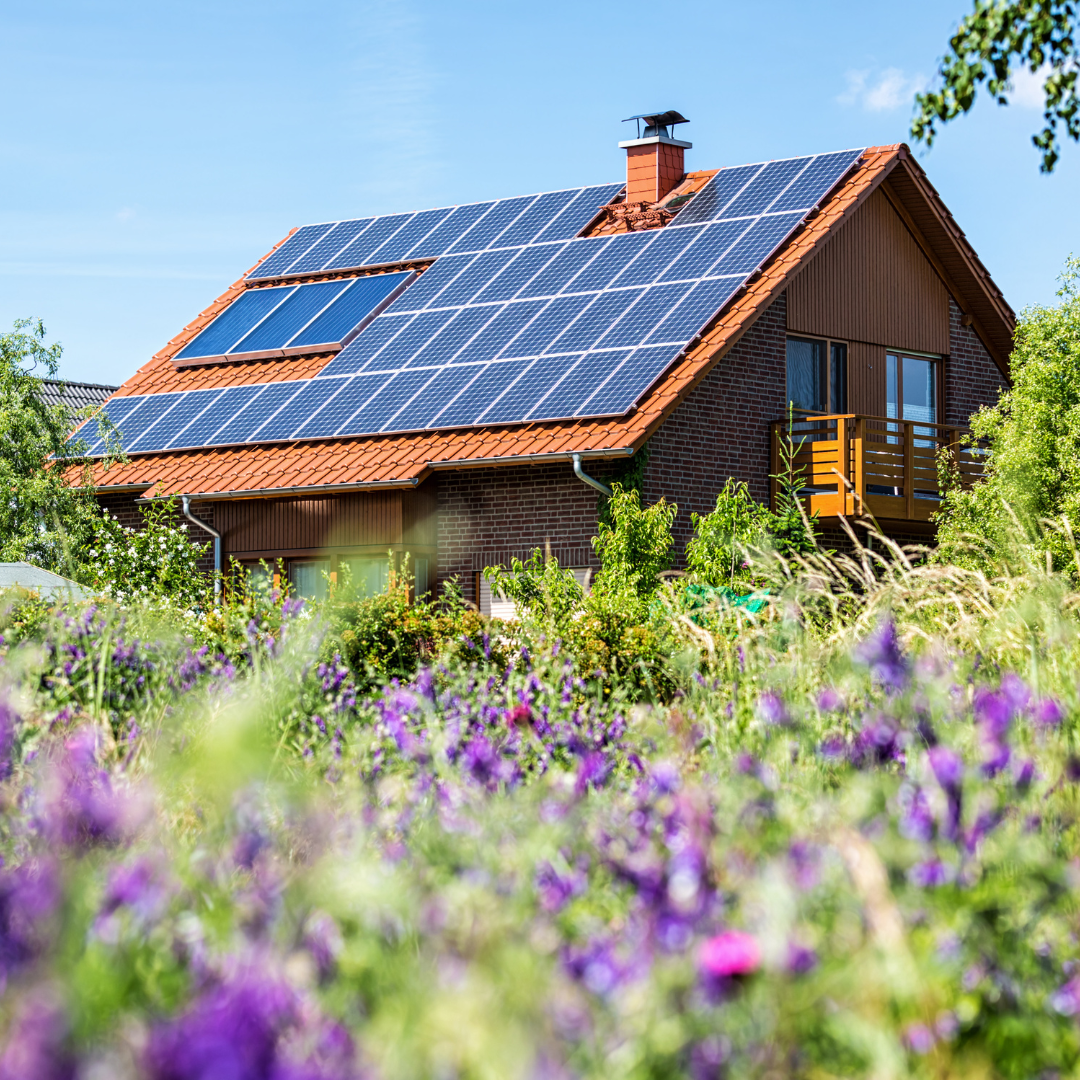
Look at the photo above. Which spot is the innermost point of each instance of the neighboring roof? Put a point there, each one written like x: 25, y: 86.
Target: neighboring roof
x: 407, y: 459
x: 45, y: 582
x: 75, y: 395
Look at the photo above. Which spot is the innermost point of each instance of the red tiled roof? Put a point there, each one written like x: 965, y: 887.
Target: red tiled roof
x: 407, y: 459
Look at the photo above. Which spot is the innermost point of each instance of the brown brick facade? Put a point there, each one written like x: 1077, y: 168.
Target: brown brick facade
x: 972, y: 379
x: 722, y: 428
x: 488, y: 516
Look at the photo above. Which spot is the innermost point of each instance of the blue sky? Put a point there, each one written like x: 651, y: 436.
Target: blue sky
x: 154, y: 151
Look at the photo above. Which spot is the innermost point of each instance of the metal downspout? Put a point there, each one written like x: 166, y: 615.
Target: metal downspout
x: 585, y: 478
x: 186, y: 503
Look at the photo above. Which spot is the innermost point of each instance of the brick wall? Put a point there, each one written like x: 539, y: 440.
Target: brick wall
x: 722, y: 428
x: 487, y: 516
x: 122, y: 507
x: 972, y: 379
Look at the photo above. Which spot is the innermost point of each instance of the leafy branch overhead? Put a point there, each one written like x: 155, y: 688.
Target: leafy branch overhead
x: 995, y: 42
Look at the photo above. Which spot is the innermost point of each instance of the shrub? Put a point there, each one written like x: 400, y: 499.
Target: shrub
x: 1032, y: 434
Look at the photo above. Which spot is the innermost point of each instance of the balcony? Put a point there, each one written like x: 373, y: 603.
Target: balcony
x: 856, y: 465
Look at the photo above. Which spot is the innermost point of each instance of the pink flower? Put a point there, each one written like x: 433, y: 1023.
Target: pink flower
x: 729, y: 953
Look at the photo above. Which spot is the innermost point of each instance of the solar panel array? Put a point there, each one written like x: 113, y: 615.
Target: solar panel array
x: 516, y: 321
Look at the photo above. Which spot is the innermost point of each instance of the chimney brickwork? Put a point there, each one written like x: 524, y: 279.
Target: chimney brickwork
x: 652, y: 170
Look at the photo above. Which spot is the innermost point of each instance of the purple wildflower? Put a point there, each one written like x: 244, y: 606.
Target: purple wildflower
x: 916, y: 820
x: 37, y: 1044
x: 880, y: 652
x: 919, y: 1038
x: 801, y: 959
x: 1048, y: 711
x: 556, y: 890
x: 770, y: 708
x: 829, y: 700
x: 948, y: 767
x: 929, y: 874
x: 1066, y: 999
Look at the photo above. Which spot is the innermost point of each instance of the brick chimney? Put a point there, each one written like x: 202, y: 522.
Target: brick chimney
x: 654, y: 160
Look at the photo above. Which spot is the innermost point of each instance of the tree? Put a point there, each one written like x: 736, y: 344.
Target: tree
x: 1033, y: 435
x: 998, y: 39
x: 48, y: 507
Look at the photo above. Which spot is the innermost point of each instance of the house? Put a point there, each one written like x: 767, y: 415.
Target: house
x: 454, y: 383
x: 75, y: 395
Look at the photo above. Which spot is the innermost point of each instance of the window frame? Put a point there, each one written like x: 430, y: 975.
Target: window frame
x: 939, y: 382
x: 829, y: 343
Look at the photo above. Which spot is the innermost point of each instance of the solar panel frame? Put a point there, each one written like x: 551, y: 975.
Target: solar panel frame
x: 325, y: 249
x: 201, y: 430
x: 333, y: 414
x: 235, y: 322
x: 188, y: 408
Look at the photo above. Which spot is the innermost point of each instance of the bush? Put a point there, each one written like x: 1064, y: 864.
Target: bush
x: 1028, y: 506
x: 158, y: 562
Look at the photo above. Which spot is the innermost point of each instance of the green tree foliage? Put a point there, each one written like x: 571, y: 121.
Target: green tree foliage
x: 998, y: 39
x: 636, y: 547
x: 719, y: 551
x: 1033, y: 435
x: 44, y: 518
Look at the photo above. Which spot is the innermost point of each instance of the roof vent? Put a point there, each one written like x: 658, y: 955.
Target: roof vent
x: 654, y: 160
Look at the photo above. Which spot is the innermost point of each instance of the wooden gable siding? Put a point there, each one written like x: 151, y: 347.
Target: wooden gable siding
x: 871, y: 284
x: 376, y: 519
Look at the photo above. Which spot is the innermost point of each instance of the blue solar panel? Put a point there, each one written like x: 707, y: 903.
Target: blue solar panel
x: 666, y: 246
x: 708, y: 248
x: 578, y: 384
x: 816, y: 182
x: 652, y: 307
x: 413, y: 338
x: 526, y: 227
x: 277, y: 261
x: 595, y: 321
x: 581, y: 210
x: 370, y: 240
x: 256, y: 412
x: 335, y: 412
x: 696, y: 309
x: 526, y: 264
x: 201, y: 430
x: 290, y: 317
x: 709, y: 203
x: 419, y: 413
x: 476, y: 397
x: 377, y: 412
x: 245, y: 312
x: 312, y: 394
x: 350, y: 308
x: 501, y: 215
x: 562, y: 268
x: 495, y: 335
x: 628, y: 384
x: 367, y: 345
x: 338, y: 238
x: 432, y: 282
x: 546, y: 327
x: 756, y: 244
x: 453, y: 336
x: 140, y: 420
x: 165, y: 431
x: 439, y: 241
x: 520, y: 397
x: 406, y: 238
x: 765, y: 187
x: 115, y: 409
x: 471, y: 280
x: 616, y: 257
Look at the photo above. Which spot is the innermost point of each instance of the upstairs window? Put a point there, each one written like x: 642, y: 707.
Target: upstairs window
x: 817, y: 375
x: 911, y: 387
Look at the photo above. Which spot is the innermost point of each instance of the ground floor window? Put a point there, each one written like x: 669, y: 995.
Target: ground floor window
x: 309, y: 577
x: 369, y: 575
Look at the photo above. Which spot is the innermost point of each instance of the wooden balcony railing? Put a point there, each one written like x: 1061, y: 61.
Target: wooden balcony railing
x: 871, y: 464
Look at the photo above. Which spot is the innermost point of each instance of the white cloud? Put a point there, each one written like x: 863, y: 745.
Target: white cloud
x: 125, y: 214
x: 880, y: 91
x: 1027, y: 87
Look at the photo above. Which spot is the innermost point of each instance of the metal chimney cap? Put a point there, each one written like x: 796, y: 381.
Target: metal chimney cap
x: 658, y: 123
